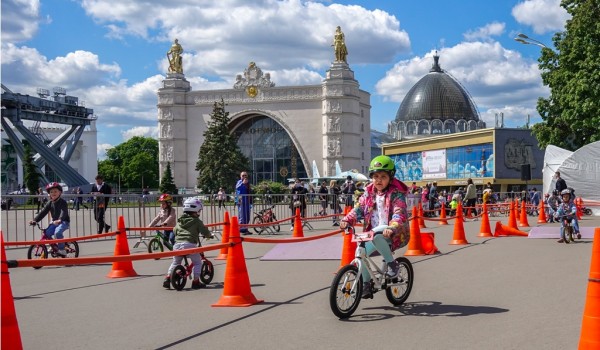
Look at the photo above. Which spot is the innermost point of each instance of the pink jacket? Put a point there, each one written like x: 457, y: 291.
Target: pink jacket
x: 395, y: 206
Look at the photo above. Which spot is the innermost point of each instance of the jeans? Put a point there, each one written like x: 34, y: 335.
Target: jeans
x: 58, y: 231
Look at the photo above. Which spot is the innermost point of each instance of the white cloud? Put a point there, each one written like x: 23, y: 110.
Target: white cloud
x: 145, y: 131
x: 494, y: 76
x: 543, y: 15
x: 22, y: 22
x: 101, y: 150
x: 485, y: 32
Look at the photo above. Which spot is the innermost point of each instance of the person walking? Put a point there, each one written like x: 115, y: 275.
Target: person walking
x: 221, y: 196
x: 242, y: 191
x: 100, y: 190
x: 470, y: 196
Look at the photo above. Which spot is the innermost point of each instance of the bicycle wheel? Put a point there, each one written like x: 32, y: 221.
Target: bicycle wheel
x: 257, y: 221
x: 587, y: 211
x: 207, y: 272
x: 344, y: 300
x: 155, y: 245
x: 178, y: 277
x: 72, y: 249
x: 569, y: 234
x: 37, y: 251
x: 275, y: 226
x: 400, y: 286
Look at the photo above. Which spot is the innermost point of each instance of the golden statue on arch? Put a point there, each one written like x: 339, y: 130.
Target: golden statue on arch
x: 175, y: 59
x: 339, y: 45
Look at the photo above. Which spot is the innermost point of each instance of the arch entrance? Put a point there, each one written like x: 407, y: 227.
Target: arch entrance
x: 272, y: 153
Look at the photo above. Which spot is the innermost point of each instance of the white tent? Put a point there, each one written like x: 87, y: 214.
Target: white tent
x: 580, y: 169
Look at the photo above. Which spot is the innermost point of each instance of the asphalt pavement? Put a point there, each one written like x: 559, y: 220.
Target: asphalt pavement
x: 493, y: 293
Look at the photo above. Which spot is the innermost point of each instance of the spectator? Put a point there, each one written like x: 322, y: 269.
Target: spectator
x: 221, y: 196
x: 334, y: 194
x: 348, y: 189
x: 242, y: 192
x: 470, y: 196
x: 323, y: 191
x: 299, y: 193
x: 100, y: 190
x: 433, y: 197
x: 145, y: 194
x: 561, y: 184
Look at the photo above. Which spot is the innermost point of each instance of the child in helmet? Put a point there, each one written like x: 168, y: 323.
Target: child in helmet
x: 382, y: 203
x: 566, y: 208
x: 165, y: 217
x: 59, y: 213
x: 188, y: 229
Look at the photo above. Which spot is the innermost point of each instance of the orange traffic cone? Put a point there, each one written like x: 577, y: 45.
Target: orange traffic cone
x: 421, y: 217
x: 523, y: 218
x: 469, y: 216
x: 459, y: 230
x: 428, y: 243
x: 122, y: 268
x: 443, y: 220
x: 503, y: 230
x: 298, y: 225
x: 349, y: 247
x: 512, y: 216
x: 590, y: 336
x: 236, y: 287
x: 542, y: 219
x: 11, y: 336
x: 485, y: 230
x: 414, y: 244
x: 224, y: 237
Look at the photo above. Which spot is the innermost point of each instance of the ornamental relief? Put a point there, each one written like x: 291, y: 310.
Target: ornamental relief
x: 334, y: 124
x: 334, y: 146
x: 166, y: 151
x: 165, y: 100
x: 165, y: 114
x: 166, y: 130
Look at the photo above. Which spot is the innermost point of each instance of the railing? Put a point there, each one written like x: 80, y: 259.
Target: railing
x: 139, y: 210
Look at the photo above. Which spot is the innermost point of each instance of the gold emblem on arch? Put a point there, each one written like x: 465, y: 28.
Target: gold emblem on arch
x: 252, y: 91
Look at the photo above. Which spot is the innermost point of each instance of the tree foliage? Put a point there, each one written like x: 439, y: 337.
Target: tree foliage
x: 132, y: 164
x: 571, y: 114
x: 31, y: 177
x: 220, y: 160
x: 166, y: 183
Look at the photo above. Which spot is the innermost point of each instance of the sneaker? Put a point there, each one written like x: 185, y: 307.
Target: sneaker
x: 167, y: 283
x: 392, y: 269
x: 198, y: 285
x: 246, y: 233
x: 292, y: 228
x: 367, y: 291
x: 106, y: 229
x: 578, y: 235
x: 561, y: 241
x: 62, y: 253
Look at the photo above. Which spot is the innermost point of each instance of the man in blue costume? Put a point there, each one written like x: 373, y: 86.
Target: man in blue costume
x: 242, y: 190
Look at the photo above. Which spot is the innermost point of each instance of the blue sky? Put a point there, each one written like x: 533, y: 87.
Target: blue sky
x: 111, y: 54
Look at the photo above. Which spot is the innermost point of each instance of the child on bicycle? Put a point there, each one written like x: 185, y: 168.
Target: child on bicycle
x: 566, y: 208
x: 383, y: 203
x: 59, y: 213
x: 188, y: 229
x: 165, y: 217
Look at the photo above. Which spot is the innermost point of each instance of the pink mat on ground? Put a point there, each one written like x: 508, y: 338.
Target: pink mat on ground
x: 554, y: 232
x: 328, y: 248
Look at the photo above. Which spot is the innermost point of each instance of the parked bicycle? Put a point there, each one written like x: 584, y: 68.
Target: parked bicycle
x: 41, y: 250
x: 346, y: 288
x: 265, y: 216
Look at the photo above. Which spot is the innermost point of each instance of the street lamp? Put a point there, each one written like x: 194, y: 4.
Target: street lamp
x: 524, y: 39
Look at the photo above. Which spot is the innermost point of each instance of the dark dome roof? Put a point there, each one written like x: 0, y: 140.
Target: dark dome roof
x: 437, y: 96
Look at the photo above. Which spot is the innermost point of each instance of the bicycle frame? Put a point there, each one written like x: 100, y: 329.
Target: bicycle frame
x: 377, y: 274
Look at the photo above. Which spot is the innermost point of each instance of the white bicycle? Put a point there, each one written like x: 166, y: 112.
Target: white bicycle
x: 346, y: 288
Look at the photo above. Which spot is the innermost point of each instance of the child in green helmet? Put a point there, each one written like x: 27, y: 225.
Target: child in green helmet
x: 383, y: 203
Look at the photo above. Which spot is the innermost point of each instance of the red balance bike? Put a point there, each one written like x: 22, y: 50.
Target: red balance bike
x: 41, y: 250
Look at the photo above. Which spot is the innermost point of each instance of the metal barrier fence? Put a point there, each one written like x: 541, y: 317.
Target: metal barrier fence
x: 139, y: 211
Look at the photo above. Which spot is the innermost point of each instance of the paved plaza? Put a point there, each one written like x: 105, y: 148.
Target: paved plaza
x: 494, y: 293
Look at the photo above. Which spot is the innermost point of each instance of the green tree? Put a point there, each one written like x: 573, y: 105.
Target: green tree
x: 571, y: 115
x: 220, y: 160
x: 166, y: 183
x: 132, y: 164
x: 31, y: 176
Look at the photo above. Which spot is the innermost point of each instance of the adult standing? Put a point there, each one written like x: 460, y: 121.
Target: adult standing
x: 221, y: 196
x: 433, y: 197
x: 470, y: 196
x: 348, y: 189
x: 323, y: 191
x: 242, y: 191
x: 334, y: 194
x: 100, y: 190
x: 299, y: 193
x: 561, y: 184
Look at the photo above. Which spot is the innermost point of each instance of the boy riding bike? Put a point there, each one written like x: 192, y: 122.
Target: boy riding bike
x: 383, y: 203
x: 165, y: 217
x: 566, y: 208
x: 59, y: 213
x: 187, y: 235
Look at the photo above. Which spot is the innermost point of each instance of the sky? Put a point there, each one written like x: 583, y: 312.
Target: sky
x: 111, y: 54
